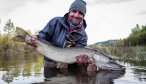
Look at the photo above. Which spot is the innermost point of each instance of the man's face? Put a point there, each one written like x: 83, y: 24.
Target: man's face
x: 76, y: 17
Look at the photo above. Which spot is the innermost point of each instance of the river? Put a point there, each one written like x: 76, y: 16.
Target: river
x: 27, y: 68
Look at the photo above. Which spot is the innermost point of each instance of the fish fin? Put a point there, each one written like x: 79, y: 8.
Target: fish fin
x: 18, y: 38
x: 21, y: 32
x: 20, y: 35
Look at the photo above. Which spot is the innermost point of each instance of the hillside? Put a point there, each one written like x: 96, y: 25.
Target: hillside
x: 106, y: 43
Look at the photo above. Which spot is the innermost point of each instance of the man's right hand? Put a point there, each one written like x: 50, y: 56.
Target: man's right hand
x: 33, y: 41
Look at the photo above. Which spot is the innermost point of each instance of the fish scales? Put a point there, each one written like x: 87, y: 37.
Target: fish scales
x: 67, y: 55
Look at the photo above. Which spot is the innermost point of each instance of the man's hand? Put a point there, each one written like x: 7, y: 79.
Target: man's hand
x: 84, y: 59
x: 33, y: 41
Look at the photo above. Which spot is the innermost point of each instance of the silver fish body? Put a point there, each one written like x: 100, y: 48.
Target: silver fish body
x: 68, y: 55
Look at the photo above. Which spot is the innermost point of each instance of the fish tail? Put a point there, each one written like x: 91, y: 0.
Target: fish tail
x: 20, y: 35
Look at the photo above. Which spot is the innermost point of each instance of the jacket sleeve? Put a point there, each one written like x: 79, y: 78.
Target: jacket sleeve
x: 48, y: 30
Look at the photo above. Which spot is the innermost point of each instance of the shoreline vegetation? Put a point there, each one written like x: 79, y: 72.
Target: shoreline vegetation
x: 130, y: 53
x: 132, y: 48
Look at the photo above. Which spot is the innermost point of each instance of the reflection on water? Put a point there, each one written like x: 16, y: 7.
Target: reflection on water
x: 18, y: 66
x: 106, y: 77
x: 139, y: 70
x: 76, y: 76
x: 26, y: 68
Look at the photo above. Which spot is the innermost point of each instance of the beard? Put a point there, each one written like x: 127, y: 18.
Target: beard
x: 75, y: 20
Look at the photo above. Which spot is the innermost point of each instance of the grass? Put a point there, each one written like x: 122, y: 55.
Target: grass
x: 137, y: 53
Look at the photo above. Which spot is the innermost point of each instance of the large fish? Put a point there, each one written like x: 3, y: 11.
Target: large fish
x: 69, y: 55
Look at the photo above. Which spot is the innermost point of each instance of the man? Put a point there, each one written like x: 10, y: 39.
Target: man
x: 66, y: 31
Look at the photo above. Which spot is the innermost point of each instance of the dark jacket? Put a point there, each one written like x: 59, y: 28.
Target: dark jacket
x: 57, y: 33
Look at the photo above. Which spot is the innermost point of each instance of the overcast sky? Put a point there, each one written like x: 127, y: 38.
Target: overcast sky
x: 106, y: 19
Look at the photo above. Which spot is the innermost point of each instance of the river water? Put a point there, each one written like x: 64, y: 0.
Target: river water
x: 27, y: 68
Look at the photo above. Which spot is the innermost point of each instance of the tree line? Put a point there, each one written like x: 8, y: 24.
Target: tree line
x: 5, y: 37
x: 137, y: 37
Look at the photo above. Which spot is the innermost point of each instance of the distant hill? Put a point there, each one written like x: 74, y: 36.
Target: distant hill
x: 107, y: 43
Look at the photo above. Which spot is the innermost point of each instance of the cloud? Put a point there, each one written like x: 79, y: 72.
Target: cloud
x: 141, y: 13
x: 93, y: 2
x: 7, y: 6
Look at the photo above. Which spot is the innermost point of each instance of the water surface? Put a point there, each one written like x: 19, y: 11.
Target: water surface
x: 27, y: 68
